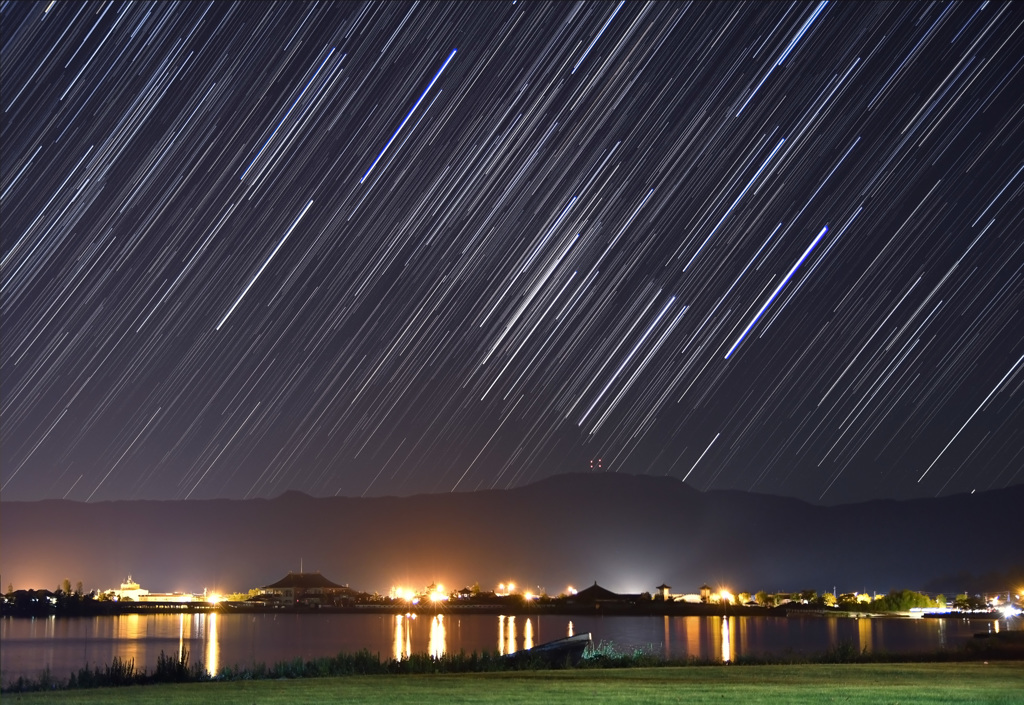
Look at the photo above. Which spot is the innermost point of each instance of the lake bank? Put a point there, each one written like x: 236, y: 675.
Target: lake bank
x: 851, y: 683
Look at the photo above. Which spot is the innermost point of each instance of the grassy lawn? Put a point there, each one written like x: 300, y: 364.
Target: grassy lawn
x: 995, y: 682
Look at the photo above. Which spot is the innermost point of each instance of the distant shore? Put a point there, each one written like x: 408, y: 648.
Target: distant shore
x: 652, y: 608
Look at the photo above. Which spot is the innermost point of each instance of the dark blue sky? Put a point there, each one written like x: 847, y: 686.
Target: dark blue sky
x: 394, y: 248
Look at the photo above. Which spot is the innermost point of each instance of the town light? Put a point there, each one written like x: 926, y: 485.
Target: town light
x: 402, y: 593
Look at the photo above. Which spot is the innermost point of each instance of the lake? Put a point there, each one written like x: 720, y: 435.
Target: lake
x: 69, y: 643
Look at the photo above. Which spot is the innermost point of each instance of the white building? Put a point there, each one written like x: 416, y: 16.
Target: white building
x: 130, y: 590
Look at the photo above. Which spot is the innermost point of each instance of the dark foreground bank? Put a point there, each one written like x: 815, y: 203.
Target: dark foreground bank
x: 858, y: 683
x: 1006, y: 646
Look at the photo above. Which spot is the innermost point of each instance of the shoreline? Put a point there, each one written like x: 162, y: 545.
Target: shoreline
x: 1006, y: 647
x: 657, y: 609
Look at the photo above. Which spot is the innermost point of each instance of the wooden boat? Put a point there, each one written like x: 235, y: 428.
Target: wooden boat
x: 567, y: 651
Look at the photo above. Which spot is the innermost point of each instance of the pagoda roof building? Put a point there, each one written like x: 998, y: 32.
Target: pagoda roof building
x: 304, y: 581
x: 596, y: 593
x: 306, y: 589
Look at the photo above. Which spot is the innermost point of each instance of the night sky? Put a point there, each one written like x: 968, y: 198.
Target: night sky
x: 393, y: 248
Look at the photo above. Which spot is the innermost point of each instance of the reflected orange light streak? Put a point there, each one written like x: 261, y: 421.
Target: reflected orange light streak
x: 864, y: 634
x: 212, y: 645
x: 403, y: 636
x: 181, y: 635
x: 511, y: 633
x: 438, y: 635
x: 668, y: 648
x: 726, y: 641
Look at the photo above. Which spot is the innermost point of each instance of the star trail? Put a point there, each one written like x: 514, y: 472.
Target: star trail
x: 392, y: 248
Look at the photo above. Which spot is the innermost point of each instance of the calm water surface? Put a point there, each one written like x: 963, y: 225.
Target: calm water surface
x: 68, y: 644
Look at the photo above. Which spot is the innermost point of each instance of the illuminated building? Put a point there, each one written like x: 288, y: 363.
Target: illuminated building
x: 169, y: 597
x: 306, y: 589
x: 130, y: 590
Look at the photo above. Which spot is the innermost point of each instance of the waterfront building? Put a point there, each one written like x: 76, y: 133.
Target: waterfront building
x: 129, y: 590
x: 307, y: 589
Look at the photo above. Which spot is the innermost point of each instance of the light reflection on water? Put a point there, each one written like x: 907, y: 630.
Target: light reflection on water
x: 406, y: 633
x: 864, y: 640
x: 437, y: 637
x: 501, y: 635
x: 510, y: 631
x: 181, y: 633
x: 403, y: 636
x: 229, y: 640
x: 212, y: 643
x: 129, y: 629
x: 726, y: 641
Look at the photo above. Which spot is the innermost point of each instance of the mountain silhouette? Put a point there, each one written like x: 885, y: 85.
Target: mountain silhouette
x: 629, y: 533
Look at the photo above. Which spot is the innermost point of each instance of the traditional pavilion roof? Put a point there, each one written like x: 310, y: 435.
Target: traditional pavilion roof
x: 663, y: 586
x: 304, y: 581
x: 596, y: 592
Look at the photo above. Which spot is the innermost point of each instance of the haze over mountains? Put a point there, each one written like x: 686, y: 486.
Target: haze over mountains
x: 629, y: 533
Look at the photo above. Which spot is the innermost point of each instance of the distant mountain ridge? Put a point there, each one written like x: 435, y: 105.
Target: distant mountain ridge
x: 629, y: 533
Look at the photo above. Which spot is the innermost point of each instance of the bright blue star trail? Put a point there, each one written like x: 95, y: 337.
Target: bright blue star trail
x: 768, y: 301
x: 390, y: 248
x: 409, y: 114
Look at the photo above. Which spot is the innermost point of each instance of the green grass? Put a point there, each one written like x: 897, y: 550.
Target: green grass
x: 993, y: 682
